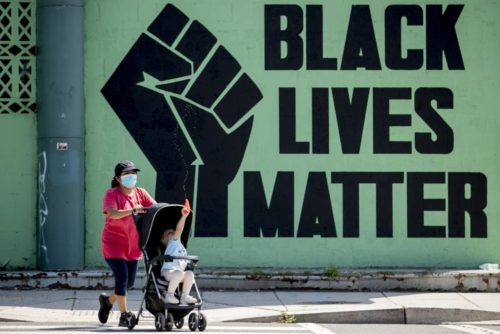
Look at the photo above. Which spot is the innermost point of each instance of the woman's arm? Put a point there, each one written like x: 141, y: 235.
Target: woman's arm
x: 117, y: 214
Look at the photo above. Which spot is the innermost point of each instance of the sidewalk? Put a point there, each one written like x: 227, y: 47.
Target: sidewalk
x: 265, y: 294
x: 80, y: 306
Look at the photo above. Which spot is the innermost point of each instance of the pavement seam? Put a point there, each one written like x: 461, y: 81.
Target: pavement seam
x: 405, y: 318
x: 278, y: 298
x: 389, y: 299
x: 74, y: 301
x: 467, y: 299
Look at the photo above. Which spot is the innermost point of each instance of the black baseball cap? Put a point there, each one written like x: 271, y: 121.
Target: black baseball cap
x: 125, y: 166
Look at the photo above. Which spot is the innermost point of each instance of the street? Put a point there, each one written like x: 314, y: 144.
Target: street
x: 259, y: 328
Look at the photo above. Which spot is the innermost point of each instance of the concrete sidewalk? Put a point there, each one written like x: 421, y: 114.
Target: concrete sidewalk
x: 80, y: 306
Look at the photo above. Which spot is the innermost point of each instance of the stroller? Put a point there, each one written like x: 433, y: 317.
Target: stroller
x: 150, y: 226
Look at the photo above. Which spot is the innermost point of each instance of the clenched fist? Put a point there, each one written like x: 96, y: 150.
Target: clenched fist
x: 185, y: 101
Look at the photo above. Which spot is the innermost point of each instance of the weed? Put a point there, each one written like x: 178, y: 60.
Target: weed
x: 286, y: 318
x: 258, y: 274
x: 332, y: 272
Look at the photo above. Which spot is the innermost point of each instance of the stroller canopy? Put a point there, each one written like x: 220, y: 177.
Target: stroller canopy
x: 155, y: 221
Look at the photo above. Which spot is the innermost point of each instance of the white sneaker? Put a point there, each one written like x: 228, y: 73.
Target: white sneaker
x: 187, y: 299
x: 170, y: 299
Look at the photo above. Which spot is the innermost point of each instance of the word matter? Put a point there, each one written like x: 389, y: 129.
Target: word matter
x: 274, y: 217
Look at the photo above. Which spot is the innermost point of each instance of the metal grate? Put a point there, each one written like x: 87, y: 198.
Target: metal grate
x: 17, y: 57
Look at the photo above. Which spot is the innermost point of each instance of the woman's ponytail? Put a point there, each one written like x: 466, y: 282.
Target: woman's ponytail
x: 114, y: 183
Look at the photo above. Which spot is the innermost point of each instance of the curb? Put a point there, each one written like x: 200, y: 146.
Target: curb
x: 409, y: 315
x: 272, y: 279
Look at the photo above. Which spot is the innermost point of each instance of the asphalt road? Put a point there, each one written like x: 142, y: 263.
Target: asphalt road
x: 251, y: 328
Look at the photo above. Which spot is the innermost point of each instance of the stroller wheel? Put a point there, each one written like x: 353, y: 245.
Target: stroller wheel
x: 202, y: 322
x: 193, y: 322
x: 160, y: 321
x: 179, y: 323
x: 170, y: 322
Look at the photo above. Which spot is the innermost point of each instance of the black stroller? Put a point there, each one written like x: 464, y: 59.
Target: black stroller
x: 151, y: 225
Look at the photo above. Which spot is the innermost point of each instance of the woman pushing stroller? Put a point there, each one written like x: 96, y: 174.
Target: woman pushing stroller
x: 175, y: 271
x: 119, y: 239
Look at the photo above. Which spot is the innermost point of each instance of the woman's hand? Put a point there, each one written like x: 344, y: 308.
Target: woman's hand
x: 138, y: 209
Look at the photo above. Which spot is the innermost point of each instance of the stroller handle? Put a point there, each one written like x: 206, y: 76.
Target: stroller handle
x: 144, y: 210
x: 171, y: 258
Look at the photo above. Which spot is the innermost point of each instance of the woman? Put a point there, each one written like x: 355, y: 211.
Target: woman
x: 120, y: 240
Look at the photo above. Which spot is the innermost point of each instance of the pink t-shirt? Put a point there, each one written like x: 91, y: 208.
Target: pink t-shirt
x: 120, y: 239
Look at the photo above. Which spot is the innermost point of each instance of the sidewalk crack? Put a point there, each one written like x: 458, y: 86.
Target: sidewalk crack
x: 467, y: 299
x: 389, y: 299
x: 278, y: 298
x: 74, y: 301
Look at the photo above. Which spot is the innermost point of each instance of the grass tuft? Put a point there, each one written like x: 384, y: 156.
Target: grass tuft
x: 286, y: 318
x: 332, y: 272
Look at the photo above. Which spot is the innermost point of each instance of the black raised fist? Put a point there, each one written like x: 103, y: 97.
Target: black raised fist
x: 185, y: 101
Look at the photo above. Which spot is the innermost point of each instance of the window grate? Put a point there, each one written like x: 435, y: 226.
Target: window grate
x: 17, y: 57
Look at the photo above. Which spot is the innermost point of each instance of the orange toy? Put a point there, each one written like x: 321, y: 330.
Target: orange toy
x: 186, y: 208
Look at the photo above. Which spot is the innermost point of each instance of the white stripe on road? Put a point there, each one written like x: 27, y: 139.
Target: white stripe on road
x: 252, y: 330
x: 471, y: 329
x: 316, y: 329
x: 286, y: 328
x: 185, y: 330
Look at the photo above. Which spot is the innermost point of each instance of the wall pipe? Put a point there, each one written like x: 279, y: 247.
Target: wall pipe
x: 61, y: 130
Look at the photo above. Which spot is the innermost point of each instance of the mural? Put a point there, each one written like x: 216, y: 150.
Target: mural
x: 305, y: 134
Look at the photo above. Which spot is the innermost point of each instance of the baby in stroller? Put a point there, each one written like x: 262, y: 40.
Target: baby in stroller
x: 156, y: 223
x: 175, y: 271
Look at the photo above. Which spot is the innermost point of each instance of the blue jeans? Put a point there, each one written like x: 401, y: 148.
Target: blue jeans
x: 124, y: 272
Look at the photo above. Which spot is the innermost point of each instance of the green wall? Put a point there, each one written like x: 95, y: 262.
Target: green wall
x: 18, y: 136
x: 19, y: 191
x: 112, y: 28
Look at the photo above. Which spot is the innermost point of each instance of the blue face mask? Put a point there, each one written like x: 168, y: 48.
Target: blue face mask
x: 129, y: 180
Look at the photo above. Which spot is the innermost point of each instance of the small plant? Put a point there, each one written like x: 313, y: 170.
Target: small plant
x: 332, y: 272
x: 258, y: 274
x: 387, y: 273
x: 286, y: 318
